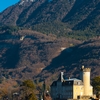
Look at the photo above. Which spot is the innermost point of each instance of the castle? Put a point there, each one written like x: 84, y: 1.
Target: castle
x: 72, y: 88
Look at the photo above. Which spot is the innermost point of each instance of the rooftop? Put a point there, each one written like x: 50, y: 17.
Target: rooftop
x: 72, y: 79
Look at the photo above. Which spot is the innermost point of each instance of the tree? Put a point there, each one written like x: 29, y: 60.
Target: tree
x: 96, y: 84
x: 28, y: 84
x: 28, y: 90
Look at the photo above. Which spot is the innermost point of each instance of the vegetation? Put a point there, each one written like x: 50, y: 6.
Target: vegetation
x: 56, y: 28
x: 10, y: 89
x: 6, y: 88
x: 96, y: 84
x: 63, y: 30
x: 28, y: 88
x: 8, y: 29
x: 63, y: 18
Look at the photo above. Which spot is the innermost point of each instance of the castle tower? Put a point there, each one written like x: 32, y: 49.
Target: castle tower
x: 85, y: 77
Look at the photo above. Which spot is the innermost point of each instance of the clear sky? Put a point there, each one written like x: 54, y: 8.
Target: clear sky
x: 6, y: 3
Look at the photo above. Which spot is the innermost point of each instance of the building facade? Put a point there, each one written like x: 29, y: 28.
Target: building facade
x: 72, y: 88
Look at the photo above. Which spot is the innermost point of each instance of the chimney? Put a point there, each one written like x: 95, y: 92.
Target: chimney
x: 61, y: 77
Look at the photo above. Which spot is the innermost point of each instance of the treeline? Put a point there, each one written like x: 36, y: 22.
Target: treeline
x: 63, y: 30
x: 26, y: 90
x: 8, y: 29
x: 57, y: 28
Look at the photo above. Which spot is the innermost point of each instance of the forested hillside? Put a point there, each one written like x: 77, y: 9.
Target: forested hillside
x: 71, y: 18
x: 40, y: 38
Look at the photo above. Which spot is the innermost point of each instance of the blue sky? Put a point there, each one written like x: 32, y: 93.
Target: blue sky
x: 6, y: 3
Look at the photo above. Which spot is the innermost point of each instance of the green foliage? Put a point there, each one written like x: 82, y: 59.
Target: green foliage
x: 29, y: 84
x: 28, y: 90
x: 96, y: 83
x: 9, y: 29
x: 1, y: 80
x: 62, y: 30
x: 58, y: 28
x: 82, y: 34
x: 32, y: 97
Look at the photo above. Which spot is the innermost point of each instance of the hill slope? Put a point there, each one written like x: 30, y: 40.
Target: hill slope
x: 29, y: 54
x: 77, y: 14
x: 25, y: 53
x: 71, y: 59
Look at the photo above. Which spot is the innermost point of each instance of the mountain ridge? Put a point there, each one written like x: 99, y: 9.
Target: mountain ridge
x: 80, y: 17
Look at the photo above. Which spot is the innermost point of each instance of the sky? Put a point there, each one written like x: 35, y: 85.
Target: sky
x: 6, y: 3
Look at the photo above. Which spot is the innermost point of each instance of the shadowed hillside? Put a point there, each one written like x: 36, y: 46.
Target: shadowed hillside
x: 25, y: 53
x: 71, y: 59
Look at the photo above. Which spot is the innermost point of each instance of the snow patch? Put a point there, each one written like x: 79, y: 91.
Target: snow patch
x: 63, y: 48
x: 23, y: 1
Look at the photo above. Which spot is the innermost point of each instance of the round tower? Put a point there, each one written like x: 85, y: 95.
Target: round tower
x: 85, y: 77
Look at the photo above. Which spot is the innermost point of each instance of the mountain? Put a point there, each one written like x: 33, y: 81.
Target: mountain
x: 76, y: 14
x: 85, y: 15
x: 77, y: 19
x: 28, y: 13
x: 71, y: 60
x: 25, y: 53
x: 11, y: 15
x: 38, y: 38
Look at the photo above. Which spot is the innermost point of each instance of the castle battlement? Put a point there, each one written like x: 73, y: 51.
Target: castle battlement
x: 86, y: 69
